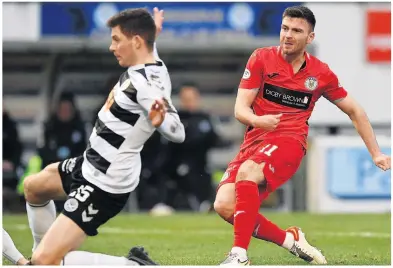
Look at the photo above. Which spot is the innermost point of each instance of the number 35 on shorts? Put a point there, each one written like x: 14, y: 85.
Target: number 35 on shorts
x: 82, y: 193
x: 268, y: 149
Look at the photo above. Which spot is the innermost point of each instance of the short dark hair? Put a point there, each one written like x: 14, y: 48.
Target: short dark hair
x: 301, y: 12
x: 135, y: 21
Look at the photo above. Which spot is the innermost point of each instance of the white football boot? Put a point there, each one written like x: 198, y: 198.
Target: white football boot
x: 303, y: 249
x: 233, y: 259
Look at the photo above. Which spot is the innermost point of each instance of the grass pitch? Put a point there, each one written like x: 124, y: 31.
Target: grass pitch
x: 204, y: 239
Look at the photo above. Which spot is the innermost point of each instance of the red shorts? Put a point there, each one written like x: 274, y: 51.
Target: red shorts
x: 282, y: 157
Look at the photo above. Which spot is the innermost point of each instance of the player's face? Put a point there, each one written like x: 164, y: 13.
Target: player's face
x: 295, y: 35
x: 122, y: 47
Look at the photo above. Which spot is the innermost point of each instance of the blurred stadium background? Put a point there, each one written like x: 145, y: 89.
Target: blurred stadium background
x: 57, y: 72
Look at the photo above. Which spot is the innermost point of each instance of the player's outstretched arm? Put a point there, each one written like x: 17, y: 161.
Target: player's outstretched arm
x: 363, y: 126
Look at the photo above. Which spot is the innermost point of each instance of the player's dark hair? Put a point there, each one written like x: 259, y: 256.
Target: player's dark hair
x: 135, y: 21
x: 301, y: 12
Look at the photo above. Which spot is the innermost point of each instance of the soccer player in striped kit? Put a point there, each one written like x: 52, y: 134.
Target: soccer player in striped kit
x: 98, y: 183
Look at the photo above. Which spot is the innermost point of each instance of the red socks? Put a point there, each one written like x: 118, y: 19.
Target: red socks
x: 268, y: 231
x: 265, y: 229
x: 246, y: 211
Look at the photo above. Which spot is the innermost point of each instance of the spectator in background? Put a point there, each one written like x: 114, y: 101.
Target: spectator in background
x: 12, y: 151
x: 64, y: 132
x: 152, y: 189
x: 188, y: 162
x: 64, y: 136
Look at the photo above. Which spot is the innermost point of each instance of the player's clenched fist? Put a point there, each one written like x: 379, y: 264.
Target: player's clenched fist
x: 157, y: 113
x: 382, y: 161
x: 268, y: 122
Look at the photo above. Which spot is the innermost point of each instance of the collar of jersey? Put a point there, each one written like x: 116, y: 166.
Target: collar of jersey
x: 306, y: 57
x: 140, y: 66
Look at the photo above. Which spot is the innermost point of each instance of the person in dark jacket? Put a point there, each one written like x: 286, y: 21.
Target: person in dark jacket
x: 188, y: 162
x: 12, y: 151
x: 64, y: 132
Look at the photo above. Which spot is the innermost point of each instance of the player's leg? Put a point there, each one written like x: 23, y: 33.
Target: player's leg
x: 136, y: 256
x: 86, y: 208
x: 62, y: 238
x: 40, y: 190
x: 270, y: 164
x: 249, y: 176
x: 266, y: 171
x: 282, y: 157
x: 264, y: 229
x: 224, y: 203
x: 10, y: 252
x: 292, y: 239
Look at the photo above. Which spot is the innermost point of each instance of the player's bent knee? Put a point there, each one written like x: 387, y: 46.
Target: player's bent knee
x: 251, y: 171
x: 224, y: 204
x: 34, y: 190
x: 31, y: 194
x: 224, y: 209
x: 43, y: 186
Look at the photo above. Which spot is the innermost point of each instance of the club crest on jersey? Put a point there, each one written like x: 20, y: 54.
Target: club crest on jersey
x: 247, y: 74
x: 311, y: 83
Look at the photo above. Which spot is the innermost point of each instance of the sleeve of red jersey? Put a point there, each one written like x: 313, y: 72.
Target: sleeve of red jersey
x: 334, y: 91
x: 252, y: 77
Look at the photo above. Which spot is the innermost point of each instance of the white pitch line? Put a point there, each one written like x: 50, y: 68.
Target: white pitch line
x: 117, y: 230
x: 354, y: 234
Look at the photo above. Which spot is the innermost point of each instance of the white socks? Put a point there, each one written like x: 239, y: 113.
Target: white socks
x: 9, y: 250
x: 88, y: 258
x: 289, y: 241
x: 40, y: 218
x: 241, y: 252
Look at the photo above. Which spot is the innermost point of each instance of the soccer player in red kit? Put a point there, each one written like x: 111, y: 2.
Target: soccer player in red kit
x: 275, y: 99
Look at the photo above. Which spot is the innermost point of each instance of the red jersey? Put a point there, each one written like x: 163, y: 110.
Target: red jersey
x: 282, y: 91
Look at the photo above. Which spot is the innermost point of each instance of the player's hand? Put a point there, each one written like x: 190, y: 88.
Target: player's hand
x: 268, y: 122
x: 382, y: 161
x: 158, y: 19
x: 157, y: 113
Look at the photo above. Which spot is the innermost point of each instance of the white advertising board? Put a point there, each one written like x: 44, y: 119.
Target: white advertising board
x: 340, y: 41
x: 341, y: 177
x: 21, y: 21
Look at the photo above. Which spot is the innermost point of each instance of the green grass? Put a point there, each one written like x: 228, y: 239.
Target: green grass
x: 196, y: 239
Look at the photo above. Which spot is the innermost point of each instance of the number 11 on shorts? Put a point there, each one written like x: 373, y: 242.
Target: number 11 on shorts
x: 268, y: 149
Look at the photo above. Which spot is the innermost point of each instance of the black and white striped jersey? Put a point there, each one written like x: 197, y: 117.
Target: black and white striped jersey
x: 112, y: 159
